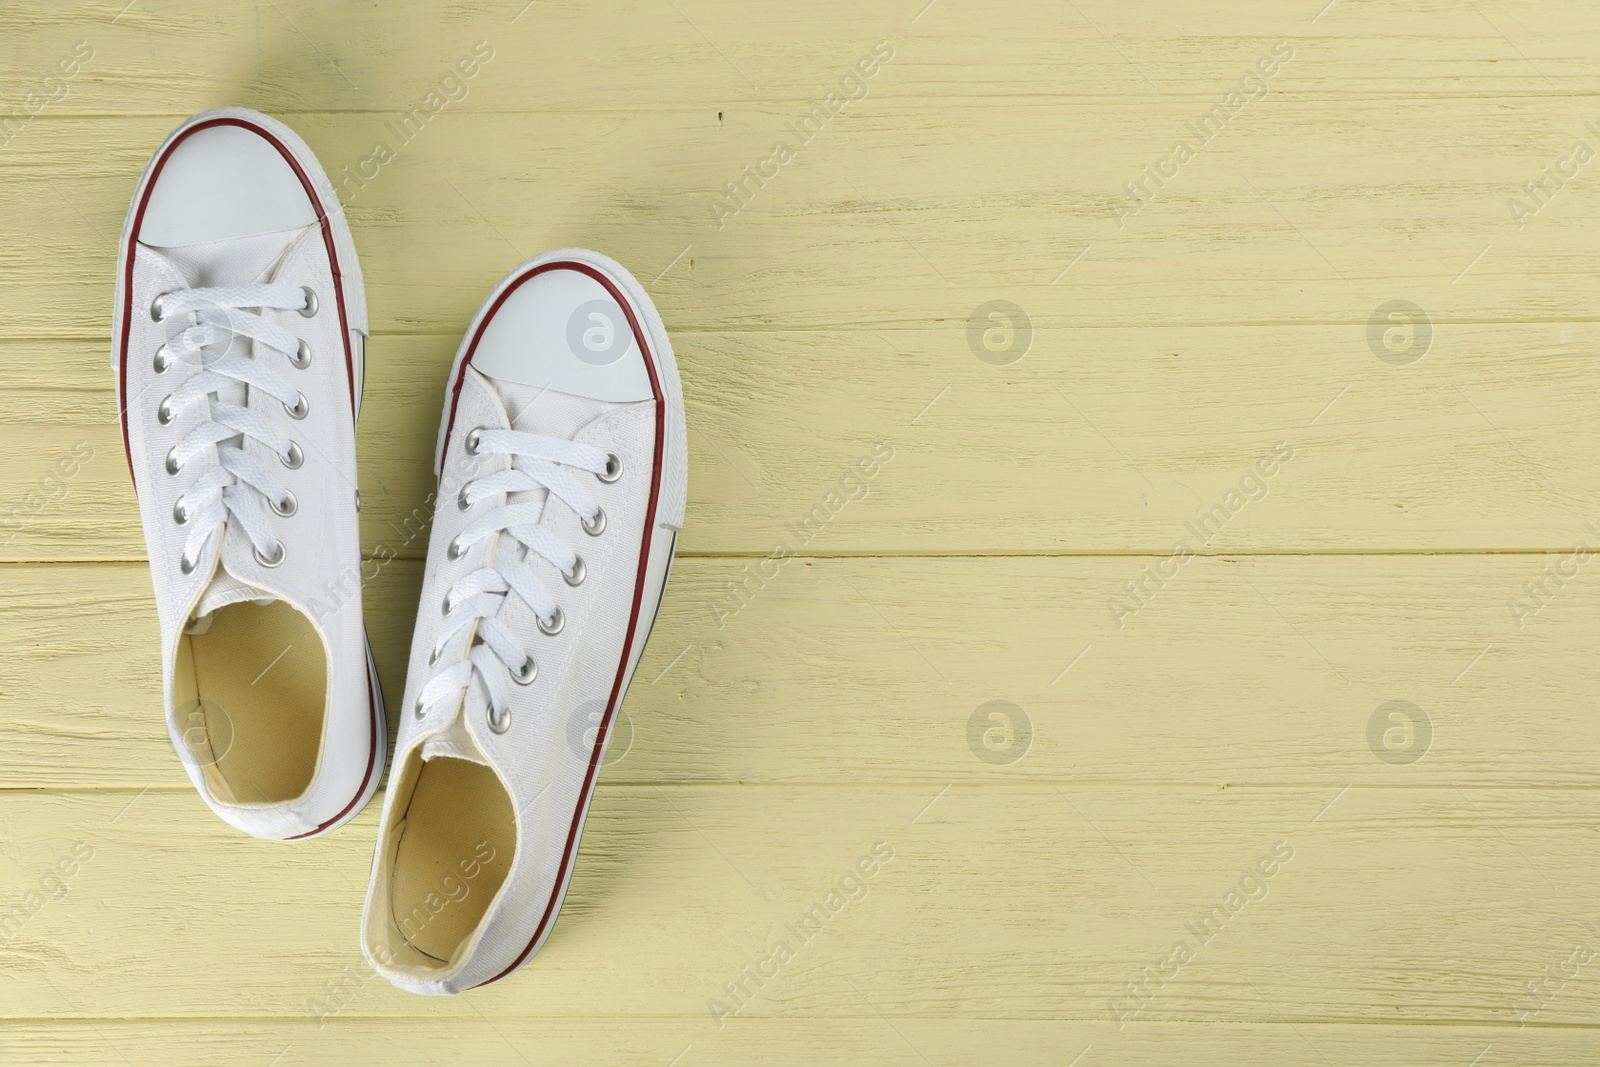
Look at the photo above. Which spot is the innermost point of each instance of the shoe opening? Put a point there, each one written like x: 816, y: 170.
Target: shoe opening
x: 251, y: 695
x: 446, y: 857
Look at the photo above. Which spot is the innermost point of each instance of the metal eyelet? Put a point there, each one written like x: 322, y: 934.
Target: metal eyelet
x: 358, y: 500
x: 180, y: 514
x: 433, y: 657
x: 187, y: 565
x: 311, y: 302
x: 163, y: 360
x: 554, y: 627
x: 417, y: 709
x: 173, y: 466
x: 302, y: 356
x: 579, y: 571
x: 287, y: 506
x: 301, y: 407
x: 613, y: 469
x: 158, y: 311
x: 456, y: 549
x: 526, y: 673
x: 599, y: 523
x: 461, y: 499
x: 474, y: 439
x: 499, y: 719
x: 294, y: 458
x: 449, y: 608
x: 274, y: 559
x: 164, y: 413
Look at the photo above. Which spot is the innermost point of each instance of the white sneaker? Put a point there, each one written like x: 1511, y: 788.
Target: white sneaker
x: 238, y: 349
x: 563, y: 473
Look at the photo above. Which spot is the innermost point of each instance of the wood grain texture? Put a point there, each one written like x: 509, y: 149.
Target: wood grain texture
x: 296, y: 56
x: 1258, y: 671
x: 1000, y: 901
x: 1072, y: 771
x: 1116, y: 443
x: 897, y: 1042
x: 905, y: 212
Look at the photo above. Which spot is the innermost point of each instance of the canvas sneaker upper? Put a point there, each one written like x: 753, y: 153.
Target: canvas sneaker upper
x: 238, y: 349
x: 562, y: 485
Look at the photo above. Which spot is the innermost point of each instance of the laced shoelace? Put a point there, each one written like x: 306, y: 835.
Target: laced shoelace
x: 237, y: 485
x: 476, y: 599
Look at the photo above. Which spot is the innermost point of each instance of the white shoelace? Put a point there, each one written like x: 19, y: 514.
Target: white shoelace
x: 237, y: 485
x: 538, y: 462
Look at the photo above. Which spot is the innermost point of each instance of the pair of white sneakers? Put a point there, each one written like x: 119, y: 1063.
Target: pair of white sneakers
x: 239, y: 347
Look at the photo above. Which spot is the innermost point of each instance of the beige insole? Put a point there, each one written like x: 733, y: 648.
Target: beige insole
x: 454, y: 852
x: 260, y: 678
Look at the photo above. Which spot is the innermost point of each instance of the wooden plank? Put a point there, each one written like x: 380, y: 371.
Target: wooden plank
x: 1255, y: 671
x: 1022, y: 901
x: 900, y: 1042
x: 1104, y: 441
x: 298, y: 56
x: 895, y: 216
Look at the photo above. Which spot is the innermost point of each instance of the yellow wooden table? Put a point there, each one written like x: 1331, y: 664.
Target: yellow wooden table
x: 1205, y: 670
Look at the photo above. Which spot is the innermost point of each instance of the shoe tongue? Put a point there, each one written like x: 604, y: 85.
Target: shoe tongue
x: 536, y: 409
x: 531, y: 409
x: 242, y: 261
x: 224, y: 589
x: 456, y: 740
x: 239, y: 261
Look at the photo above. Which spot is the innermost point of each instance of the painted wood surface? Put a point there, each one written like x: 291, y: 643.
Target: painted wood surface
x: 1120, y: 445
x: 998, y: 901
x: 1242, y: 670
x: 1072, y: 655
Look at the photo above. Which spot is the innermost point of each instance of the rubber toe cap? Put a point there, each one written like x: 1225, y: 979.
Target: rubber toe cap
x: 561, y: 329
x: 220, y: 183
